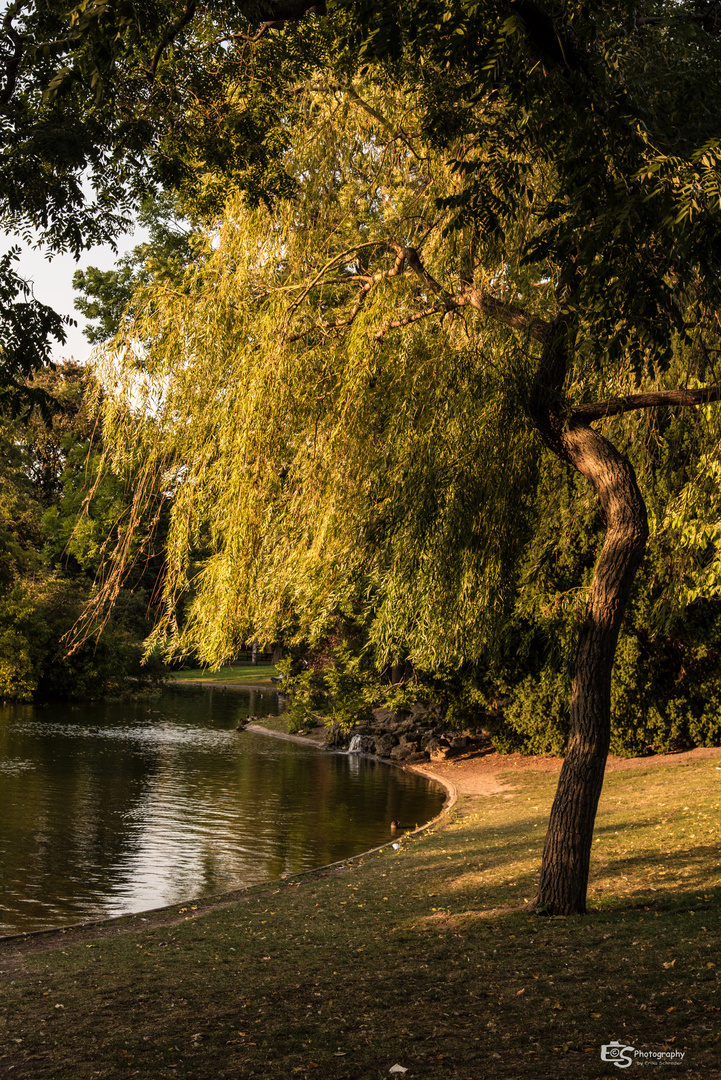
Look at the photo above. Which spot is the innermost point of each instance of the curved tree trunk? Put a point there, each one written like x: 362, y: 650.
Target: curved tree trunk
x: 566, y: 854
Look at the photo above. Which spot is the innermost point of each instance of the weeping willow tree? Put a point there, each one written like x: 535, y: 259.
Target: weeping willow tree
x: 323, y: 432
x: 481, y: 248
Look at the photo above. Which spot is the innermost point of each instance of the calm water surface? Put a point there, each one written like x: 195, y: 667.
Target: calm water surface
x: 114, y: 808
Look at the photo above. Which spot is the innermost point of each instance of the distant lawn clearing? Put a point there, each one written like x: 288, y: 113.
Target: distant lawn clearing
x: 232, y: 675
x: 420, y: 957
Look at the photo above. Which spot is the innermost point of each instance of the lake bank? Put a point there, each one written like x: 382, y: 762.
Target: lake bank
x: 419, y: 956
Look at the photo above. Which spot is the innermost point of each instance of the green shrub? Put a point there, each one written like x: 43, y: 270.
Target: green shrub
x: 665, y: 696
x: 536, y: 720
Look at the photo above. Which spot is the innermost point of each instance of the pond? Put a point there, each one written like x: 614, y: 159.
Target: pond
x: 107, y: 809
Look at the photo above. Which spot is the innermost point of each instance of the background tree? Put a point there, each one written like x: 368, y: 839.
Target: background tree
x: 51, y: 551
x: 106, y: 296
x: 26, y: 327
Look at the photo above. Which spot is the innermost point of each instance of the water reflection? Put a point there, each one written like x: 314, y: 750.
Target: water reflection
x: 116, y: 808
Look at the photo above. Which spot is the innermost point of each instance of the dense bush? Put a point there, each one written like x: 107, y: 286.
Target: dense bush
x: 666, y: 696
x: 666, y: 687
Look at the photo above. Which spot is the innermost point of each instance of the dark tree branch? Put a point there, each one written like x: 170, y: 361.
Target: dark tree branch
x: 290, y: 13
x: 614, y: 406
x: 510, y: 316
x: 251, y: 38
x: 412, y: 260
x: 169, y: 35
x: 353, y: 93
x: 513, y: 317
x: 276, y: 19
x: 409, y: 319
x: 13, y: 62
x: 341, y: 323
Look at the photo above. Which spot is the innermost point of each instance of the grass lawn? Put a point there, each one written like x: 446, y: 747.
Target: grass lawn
x: 419, y: 956
x: 232, y: 675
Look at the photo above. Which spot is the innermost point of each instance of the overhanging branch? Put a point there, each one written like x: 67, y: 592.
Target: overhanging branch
x: 614, y: 406
x: 169, y: 35
x: 408, y: 258
x: 13, y: 61
x: 513, y: 317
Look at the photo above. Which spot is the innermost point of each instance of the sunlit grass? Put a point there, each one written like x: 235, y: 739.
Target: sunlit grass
x: 231, y: 675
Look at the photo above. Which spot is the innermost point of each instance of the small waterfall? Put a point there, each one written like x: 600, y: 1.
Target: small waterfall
x: 355, y: 746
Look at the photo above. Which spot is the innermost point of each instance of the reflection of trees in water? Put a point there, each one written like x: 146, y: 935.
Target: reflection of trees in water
x: 63, y: 822
x: 166, y: 801
x: 327, y: 807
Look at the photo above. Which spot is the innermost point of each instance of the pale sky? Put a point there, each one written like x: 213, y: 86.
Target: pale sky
x: 53, y: 283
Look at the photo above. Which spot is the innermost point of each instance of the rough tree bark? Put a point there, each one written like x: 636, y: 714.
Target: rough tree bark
x: 566, y: 854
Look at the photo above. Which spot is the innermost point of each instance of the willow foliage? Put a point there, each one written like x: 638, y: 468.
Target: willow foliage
x: 326, y: 448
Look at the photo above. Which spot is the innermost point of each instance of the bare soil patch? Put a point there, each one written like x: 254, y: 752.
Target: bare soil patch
x: 490, y: 773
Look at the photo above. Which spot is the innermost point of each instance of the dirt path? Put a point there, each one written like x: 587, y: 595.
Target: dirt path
x: 487, y: 773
